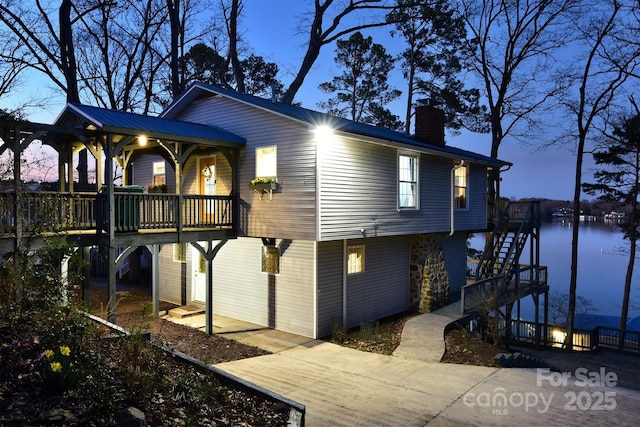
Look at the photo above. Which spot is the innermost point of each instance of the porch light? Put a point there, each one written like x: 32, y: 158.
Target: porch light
x: 142, y: 140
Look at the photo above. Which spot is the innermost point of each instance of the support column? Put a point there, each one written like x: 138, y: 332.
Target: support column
x: 86, y: 275
x: 155, y: 278
x: 209, y: 293
x: 111, y: 250
x: 537, y: 320
x: 546, y: 318
x: 19, y: 218
x: 507, y: 321
x: 111, y: 284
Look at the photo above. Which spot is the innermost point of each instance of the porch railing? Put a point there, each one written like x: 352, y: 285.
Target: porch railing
x: 47, y: 211
x: 50, y: 211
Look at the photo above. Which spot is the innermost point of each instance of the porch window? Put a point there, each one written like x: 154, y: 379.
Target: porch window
x: 407, y: 181
x: 159, y: 177
x: 180, y: 252
x: 267, y: 162
x: 270, y: 259
x: 460, y: 187
x: 355, y: 259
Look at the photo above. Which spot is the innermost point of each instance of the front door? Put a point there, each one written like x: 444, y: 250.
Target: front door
x: 208, y: 185
x: 199, y: 274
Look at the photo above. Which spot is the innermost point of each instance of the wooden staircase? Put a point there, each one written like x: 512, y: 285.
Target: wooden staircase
x: 501, y: 256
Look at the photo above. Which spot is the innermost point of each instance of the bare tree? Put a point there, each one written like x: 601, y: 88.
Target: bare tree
x: 516, y: 41
x: 321, y: 34
x: 593, y: 83
x: 232, y: 30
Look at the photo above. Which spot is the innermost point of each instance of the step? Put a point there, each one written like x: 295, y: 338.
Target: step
x: 185, y: 311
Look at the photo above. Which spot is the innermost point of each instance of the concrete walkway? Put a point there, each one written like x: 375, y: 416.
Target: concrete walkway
x: 345, y: 387
x: 423, y: 338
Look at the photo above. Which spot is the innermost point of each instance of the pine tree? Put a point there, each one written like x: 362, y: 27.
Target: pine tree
x: 619, y: 180
x: 362, y: 91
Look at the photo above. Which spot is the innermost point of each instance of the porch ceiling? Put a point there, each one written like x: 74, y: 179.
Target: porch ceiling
x: 131, y: 124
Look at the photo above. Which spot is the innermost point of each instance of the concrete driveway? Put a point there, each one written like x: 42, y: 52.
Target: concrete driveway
x: 346, y: 387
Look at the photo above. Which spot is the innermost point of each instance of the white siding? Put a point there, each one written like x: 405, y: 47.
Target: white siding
x: 330, y: 267
x: 359, y: 189
x: 291, y: 213
x: 171, y: 279
x: 475, y: 216
x: 142, y: 171
x: 455, y: 257
x: 284, y: 301
x: 382, y: 290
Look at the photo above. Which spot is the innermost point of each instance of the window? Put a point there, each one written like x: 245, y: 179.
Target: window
x: 407, y: 181
x: 159, y: 177
x: 270, y: 259
x: 266, y: 162
x: 355, y: 259
x: 460, y: 187
x: 180, y: 252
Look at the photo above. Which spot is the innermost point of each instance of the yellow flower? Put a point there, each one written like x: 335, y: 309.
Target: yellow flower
x: 56, y: 366
x: 64, y: 350
x: 49, y: 353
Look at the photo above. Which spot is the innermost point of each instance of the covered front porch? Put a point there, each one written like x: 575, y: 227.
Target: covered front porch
x: 106, y: 213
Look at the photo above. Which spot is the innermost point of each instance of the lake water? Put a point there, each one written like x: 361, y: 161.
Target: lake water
x: 601, y: 265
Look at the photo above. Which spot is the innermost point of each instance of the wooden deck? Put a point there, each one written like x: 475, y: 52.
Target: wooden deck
x: 138, y: 218
x: 477, y: 294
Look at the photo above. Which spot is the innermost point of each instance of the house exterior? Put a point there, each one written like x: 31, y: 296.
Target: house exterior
x: 351, y: 224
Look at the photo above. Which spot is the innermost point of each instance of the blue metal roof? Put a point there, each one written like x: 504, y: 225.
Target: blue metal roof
x: 156, y: 127
x: 315, y: 118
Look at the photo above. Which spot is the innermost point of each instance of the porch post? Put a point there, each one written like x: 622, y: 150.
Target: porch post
x: 179, y: 222
x: 86, y: 273
x: 155, y: 278
x: 209, y: 292
x: 111, y: 263
x: 18, y: 215
x: 61, y: 173
x: 70, y: 169
x: 111, y: 284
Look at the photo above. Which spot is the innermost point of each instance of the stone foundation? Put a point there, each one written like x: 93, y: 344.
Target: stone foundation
x: 428, y: 277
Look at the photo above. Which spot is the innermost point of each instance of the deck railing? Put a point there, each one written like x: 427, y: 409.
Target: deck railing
x: 485, y: 292
x: 50, y: 211
x: 517, y: 211
x: 583, y: 339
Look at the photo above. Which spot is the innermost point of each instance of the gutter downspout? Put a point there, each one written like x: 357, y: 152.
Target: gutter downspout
x: 453, y: 194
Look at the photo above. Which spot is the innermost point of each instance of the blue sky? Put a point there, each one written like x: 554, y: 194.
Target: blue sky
x: 270, y: 30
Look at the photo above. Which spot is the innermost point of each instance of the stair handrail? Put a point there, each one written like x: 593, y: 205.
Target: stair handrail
x: 488, y: 255
x: 515, y: 249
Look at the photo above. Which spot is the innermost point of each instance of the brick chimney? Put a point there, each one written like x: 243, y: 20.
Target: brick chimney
x: 429, y: 123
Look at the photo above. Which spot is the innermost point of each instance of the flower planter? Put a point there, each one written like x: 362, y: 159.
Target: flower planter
x: 265, y: 187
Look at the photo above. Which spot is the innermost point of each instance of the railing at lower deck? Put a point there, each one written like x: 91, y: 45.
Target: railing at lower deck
x: 50, y: 211
x: 482, y: 293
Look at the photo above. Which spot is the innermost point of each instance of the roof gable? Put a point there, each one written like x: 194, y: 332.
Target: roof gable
x: 125, y: 123
x: 314, y: 118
